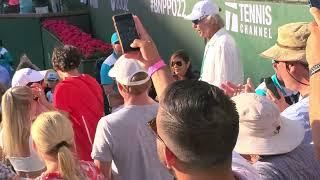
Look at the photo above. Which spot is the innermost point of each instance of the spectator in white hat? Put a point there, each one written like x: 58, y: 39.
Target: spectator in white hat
x: 221, y: 61
x: 27, y: 76
x: 35, y: 80
x: 174, y: 127
x: 271, y: 142
x: 123, y: 136
x: 291, y: 66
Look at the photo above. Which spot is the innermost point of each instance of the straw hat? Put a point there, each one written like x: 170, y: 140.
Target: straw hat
x: 262, y: 130
x: 291, y: 43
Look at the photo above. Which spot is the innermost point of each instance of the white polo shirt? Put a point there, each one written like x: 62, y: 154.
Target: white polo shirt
x: 221, y: 60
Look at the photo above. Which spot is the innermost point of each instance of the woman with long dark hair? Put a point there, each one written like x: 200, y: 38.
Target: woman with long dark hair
x: 180, y: 65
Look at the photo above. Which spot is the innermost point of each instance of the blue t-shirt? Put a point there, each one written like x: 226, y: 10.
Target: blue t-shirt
x: 6, y: 60
x: 290, y: 96
x: 5, y: 77
x: 300, y: 112
x: 105, y: 68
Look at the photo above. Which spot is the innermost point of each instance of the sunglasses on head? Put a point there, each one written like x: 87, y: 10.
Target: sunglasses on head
x: 153, y: 126
x: 178, y: 63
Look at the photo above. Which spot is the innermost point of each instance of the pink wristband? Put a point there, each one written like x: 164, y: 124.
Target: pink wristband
x: 158, y: 65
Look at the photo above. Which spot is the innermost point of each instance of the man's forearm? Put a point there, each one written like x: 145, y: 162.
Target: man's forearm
x: 314, y: 107
x: 314, y: 96
x: 105, y: 168
x: 162, y: 79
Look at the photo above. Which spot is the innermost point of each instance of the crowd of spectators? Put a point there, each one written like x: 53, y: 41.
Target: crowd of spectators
x: 55, y: 124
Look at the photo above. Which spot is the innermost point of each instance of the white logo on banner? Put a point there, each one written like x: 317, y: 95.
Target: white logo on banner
x: 249, y: 19
x: 119, y: 5
x: 169, y: 7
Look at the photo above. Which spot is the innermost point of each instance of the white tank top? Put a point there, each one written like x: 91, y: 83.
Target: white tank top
x: 26, y: 164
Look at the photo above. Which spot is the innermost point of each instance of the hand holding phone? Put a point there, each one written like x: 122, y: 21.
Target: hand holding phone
x: 270, y: 85
x: 126, y: 30
x: 314, y: 3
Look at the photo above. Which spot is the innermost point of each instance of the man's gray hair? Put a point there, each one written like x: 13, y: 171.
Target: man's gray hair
x: 216, y: 19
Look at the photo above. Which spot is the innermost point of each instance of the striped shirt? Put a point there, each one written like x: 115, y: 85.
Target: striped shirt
x: 299, y: 164
x: 300, y: 112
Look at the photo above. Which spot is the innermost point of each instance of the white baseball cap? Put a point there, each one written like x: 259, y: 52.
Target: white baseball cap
x: 202, y: 9
x: 26, y: 75
x: 262, y: 130
x: 124, y: 69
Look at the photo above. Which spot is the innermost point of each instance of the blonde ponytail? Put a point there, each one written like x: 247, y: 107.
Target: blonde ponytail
x: 16, y: 120
x: 53, y: 135
x: 67, y: 164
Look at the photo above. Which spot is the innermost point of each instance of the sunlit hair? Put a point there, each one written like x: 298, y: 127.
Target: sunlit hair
x: 66, y: 58
x: 53, y: 135
x: 138, y: 89
x: 216, y: 19
x: 200, y: 125
x: 182, y: 54
x: 16, y: 120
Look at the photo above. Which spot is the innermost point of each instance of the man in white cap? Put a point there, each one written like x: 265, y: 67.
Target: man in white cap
x: 33, y: 79
x: 123, y: 136
x: 221, y: 60
x: 27, y: 76
x: 272, y: 142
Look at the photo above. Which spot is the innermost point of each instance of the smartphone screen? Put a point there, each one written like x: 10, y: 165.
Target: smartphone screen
x: 314, y: 3
x: 270, y: 85
x: 126, y: 30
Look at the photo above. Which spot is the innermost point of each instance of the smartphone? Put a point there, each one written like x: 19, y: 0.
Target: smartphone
x: 126, y: 30
x: 270, y: 85
x: 314, y: 3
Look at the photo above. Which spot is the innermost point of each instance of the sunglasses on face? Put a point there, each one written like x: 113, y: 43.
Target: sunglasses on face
x: 178, y: 63
x: 153, y: 126
x: 197, y: 21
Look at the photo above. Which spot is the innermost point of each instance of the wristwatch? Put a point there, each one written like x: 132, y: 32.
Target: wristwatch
x: 314, y: 69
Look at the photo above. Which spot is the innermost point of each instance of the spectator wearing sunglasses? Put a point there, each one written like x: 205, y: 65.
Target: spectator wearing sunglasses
x: 196, y: 125
x: 290, y: 96
x: 221, y: 60
x: 123, y: 136
x: 197, y: 128
x: 290, y: 64
x: 181, y: 66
